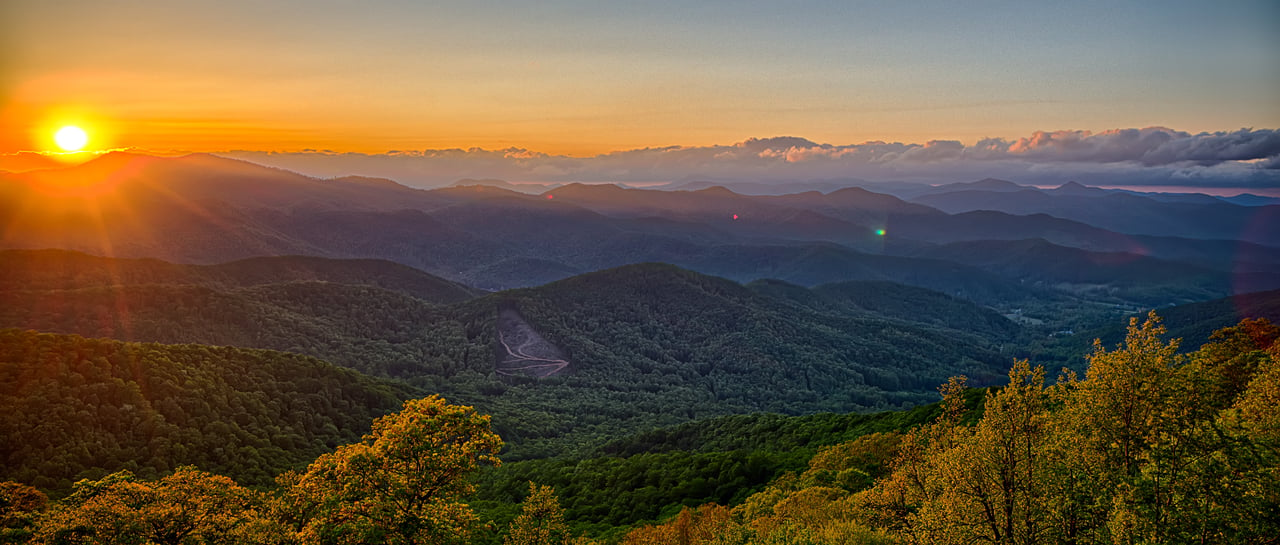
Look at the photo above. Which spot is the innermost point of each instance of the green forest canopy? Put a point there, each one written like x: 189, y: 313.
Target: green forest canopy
x: 1151, y: 445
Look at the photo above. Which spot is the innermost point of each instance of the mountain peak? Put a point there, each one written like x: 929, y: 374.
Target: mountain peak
x: 854, y: 190
x: 117, y: 157
x: 579, y: 188
x: 1076, y: 188
x: 715, y: 190
x: 494, y: 182
x: 369, y: 181
x: 994, y: 184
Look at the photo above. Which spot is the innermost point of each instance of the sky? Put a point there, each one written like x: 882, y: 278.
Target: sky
x: 585, y: 85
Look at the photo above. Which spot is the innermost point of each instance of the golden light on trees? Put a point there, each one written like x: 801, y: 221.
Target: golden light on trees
x: 403, y: 483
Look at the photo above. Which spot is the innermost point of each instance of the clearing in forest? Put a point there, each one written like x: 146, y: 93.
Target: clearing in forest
x: 522, y: 351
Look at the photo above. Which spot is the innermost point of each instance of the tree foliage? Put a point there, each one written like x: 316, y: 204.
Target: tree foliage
x: 1151, y: 446
x: 1142, y: 450
x: 19, y: 506
x: 541, y: 520
x: 403, y: 482
x: 186, y: 507
x: 75, y: 408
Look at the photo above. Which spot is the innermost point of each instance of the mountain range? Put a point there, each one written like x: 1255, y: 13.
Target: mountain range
x: 639, y: 349
x: 1122, y: 212
x: 207, y: 209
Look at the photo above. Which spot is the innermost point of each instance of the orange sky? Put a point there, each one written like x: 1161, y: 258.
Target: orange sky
x: 575, y: 79
x: 200, y: 113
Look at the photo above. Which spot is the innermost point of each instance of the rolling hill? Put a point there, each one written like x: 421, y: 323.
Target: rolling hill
x: 1108, y: 275
x: 1195, y: 322
x: 78, y: 408
x: 646, y: 344
x: 58, y: 269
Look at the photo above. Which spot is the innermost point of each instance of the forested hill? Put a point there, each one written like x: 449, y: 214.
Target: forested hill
x: 919, y: 305
x: 64, y: 269
x: 660, y: 316
x: 1195, y: 322
x: 373, y: 330
x: 76, y: 408
x: 653, y: 344
x: 647, y: 345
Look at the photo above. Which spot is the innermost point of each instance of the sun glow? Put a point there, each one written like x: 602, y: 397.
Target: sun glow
x: 71, y: 138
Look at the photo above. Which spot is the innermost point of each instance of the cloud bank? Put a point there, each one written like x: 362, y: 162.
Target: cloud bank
x: 1246, y: 158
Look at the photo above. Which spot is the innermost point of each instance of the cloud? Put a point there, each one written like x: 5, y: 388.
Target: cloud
x: 931, y: 151
x: 1153, y: 155
x: 1150, y: 146
x: 1212, y: 148
x: 780, y: 143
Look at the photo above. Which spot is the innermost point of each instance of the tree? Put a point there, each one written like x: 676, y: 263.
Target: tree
x: 709, y: 524
x: 401, y: 484
x: 19, y: 506
x: 993, y: 479
x: 1233, y: 356
x: 982, y: 484
x: 541, y: 520
x: 1243, y: 474
x: 294, y: 503
x: 853, y: 465
x: 1123, y: 438
x: 1120, y: 405
x: 188, y: 506
x: 894, y: 504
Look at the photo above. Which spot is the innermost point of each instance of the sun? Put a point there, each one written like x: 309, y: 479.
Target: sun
x: 71, y: 138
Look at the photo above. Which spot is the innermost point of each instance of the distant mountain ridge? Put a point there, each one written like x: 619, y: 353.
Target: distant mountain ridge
x: 1128, y: 276
x: 206, y: 209
x: 61, y: 269
x: 1123, y: 212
